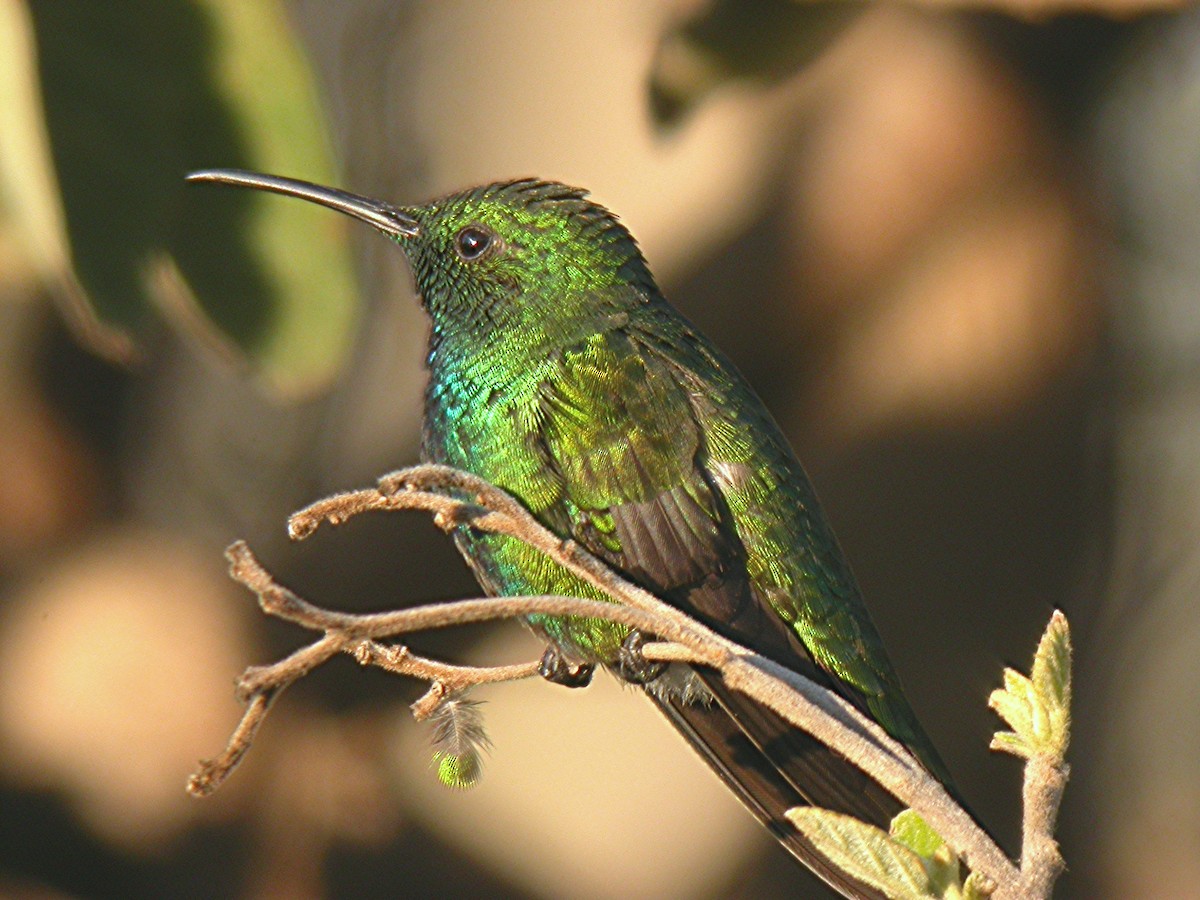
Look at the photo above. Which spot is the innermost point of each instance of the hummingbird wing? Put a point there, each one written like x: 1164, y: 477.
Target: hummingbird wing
x: 795, y: 564
x: 659, y: 474
x: 668, y: 466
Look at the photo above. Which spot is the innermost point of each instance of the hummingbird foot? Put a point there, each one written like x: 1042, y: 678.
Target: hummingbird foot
x: 632, y: 665
x: 556, y: 669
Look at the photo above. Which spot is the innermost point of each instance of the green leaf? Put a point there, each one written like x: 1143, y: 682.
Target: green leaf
x: 973, y: 888
x: 1038, y: 709
x: 133, y: 96
x: 941, y: 863
x: 865, y: 852
x: 27, y: 185
x: 914, y: 833
x: 29, y: 193
x: 1051, y: 677
x: 1010, y: 742
x: 301, y: 251
x: 1013, y: 704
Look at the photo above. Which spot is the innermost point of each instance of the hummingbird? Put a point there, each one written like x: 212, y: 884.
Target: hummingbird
x: 560, y: 373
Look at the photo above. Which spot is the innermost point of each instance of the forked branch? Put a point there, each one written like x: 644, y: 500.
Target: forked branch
x: 456, y: 499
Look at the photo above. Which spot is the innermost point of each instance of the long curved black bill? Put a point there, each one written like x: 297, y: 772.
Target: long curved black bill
x: 387, y: 218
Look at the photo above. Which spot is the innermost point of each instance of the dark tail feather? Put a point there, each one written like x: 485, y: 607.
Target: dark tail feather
x: 772, y: 767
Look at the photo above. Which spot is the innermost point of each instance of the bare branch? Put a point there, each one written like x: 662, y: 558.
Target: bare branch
x: 445, y: 679
x: 456, y: 498
x: 213, y: 772
x: 1041, y: 860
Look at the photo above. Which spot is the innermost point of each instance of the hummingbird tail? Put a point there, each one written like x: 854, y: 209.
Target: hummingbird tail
x: 773, y: 766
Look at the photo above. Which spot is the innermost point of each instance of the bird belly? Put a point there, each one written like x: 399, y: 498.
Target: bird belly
x: 506, y: 567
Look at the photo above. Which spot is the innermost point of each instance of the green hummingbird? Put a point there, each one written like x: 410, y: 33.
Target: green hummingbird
x: 559, y: 372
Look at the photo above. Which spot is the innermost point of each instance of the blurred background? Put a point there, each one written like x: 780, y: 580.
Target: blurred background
x: 956, y: 247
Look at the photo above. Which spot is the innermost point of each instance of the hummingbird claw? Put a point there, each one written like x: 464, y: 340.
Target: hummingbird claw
x: 632, y: 665
x: 558, y: 670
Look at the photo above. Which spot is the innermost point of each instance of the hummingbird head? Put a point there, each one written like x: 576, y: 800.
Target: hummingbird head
x: 536, y: 256
x: 522, y: 250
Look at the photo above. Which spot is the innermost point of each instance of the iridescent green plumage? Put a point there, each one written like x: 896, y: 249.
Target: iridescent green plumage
x: 559, y: 372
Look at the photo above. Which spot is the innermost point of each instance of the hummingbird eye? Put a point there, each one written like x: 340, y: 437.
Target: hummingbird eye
x: 472, y: 242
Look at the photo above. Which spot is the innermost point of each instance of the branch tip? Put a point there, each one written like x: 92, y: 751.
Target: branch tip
x: 300, y: 526
x: 200, y: 783
x: 241, y: 560
x: 429, y: 702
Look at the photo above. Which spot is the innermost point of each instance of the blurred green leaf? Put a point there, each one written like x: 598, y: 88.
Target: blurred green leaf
x: 27, y: 184
x: 29, y: 195
x: 763, y: 41
x: 865, y: 852
x: 303, y: 251
x: 1038, y: 709
x: 138, y: 93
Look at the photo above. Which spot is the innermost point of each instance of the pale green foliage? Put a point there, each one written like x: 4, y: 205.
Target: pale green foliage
x: 914, y: 833
x: 911, y: 862
x: 972, y: 888
x: 941, y: 863
x: 865, y: 852
x: 1038, y: 708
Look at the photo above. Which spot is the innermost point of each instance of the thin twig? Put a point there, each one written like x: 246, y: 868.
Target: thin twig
x: 841, y: 727
x: 213, y: 772
x: 456, y: 499
x: 354, y: 634
x: 402, y: 661
x: 1041, y: 860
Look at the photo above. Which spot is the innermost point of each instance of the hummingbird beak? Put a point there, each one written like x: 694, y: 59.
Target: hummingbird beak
x: 387, y: 218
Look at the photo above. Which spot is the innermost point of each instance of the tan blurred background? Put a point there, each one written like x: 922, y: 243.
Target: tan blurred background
x: 957, y: 251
